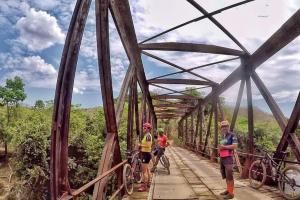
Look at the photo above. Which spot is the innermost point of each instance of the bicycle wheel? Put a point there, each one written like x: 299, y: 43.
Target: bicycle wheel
x: 128, y: 179
x: 165, y: 162
x: 289, y: 183
x: 257, y: 174
x: 138, y: 173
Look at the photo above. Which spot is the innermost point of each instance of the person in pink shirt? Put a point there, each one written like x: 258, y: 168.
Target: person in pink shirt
x: 226, y: 147
x: 159, y: 149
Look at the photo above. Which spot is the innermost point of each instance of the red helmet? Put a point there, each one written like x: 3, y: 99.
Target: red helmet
x: 147, y: 125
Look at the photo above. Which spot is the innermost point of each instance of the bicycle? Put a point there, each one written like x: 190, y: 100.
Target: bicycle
x: 164, y: 160
x: 288, y: 177
x: 132, y: 171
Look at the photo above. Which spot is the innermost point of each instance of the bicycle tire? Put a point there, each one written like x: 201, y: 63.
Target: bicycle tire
x: 281, y: 182
x: 164, y: 160
x: 127, y: 179
x: 138, y: 173
x: 253, y: 177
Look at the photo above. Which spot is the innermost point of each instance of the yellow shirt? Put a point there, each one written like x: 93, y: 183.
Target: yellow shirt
x: 146, y: 143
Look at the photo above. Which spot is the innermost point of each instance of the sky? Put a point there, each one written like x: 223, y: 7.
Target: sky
x: 33, y: 32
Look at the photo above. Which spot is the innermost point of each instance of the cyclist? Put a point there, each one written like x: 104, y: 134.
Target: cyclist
x: 162, y: 143
x: 226, y: 148
x: 146, y: 145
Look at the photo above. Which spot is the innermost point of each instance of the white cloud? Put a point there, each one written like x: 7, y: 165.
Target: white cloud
x: 87, y: 79
x: 39, y: 30
x: 32, y: 69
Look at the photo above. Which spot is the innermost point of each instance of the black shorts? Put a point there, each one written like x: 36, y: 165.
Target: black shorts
x: 226, y: 165
x: 159, y: 151
x: 146, y: 157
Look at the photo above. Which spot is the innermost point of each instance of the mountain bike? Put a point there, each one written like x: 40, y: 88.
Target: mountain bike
x: 164, y: 160
x: 132, y: 171
x: 288, y: 178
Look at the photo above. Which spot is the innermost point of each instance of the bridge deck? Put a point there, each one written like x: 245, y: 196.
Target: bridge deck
x: 194, y: 177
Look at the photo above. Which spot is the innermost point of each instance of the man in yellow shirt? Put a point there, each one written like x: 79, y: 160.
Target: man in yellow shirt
x: 146, y: 146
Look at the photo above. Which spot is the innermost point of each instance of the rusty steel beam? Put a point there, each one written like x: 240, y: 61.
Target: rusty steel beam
x: 208, y: 130
x: 120, y: 11
x: 182, y: 91
x: 192, y: 130
x: 164, y: 108
x: 168, y: 113
x: 174, y: 97
x: 289, y: 136
x: 170, y: 110
x: 216, y: 125
x: 275, y: 43
x: 204, y: 12
x: 193, y: 68
x: 176, y: 66
x: 174, y: 91
x: 130, y: 116
x: 168, y: 117
x: 201, y: 119
x: 123, y: 92
x: 222, y: 114
x: 162, y: 118
x: 62, y: 103
x: 136, y: 106
x: 197, y: 125
x: 172, y: 106
x: 190, y: 47
x: 250, y: 141
x: 111, y: 148
x: 237, y: 105
x: 179, y: 81
x: 281, y: 120
x: 142, y: 115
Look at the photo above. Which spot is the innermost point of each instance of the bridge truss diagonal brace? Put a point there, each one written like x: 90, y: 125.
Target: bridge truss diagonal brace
x: 121, y: 14
x: 62, y: 103
x: 289, y: 136
x: 111, y: 152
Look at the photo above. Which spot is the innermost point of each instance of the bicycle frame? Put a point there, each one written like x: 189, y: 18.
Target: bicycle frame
x: 268, y: 160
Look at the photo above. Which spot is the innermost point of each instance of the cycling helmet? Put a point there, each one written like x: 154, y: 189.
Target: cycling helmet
x: 160, y: 130
x: 147, y: 125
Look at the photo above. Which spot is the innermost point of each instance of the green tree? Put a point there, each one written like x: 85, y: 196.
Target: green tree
x: 39, y: 104
x: 193, y: 92
x: 10, y: 96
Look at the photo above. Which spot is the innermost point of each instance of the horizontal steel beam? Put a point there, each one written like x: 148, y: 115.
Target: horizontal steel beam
x: 175, y: 97
x: 173, y: 106
x: 190, y: 47
x: 179, y: 81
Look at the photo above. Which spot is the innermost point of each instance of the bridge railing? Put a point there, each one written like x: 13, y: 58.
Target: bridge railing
x: 199, y: 149
x: 75, y: 193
